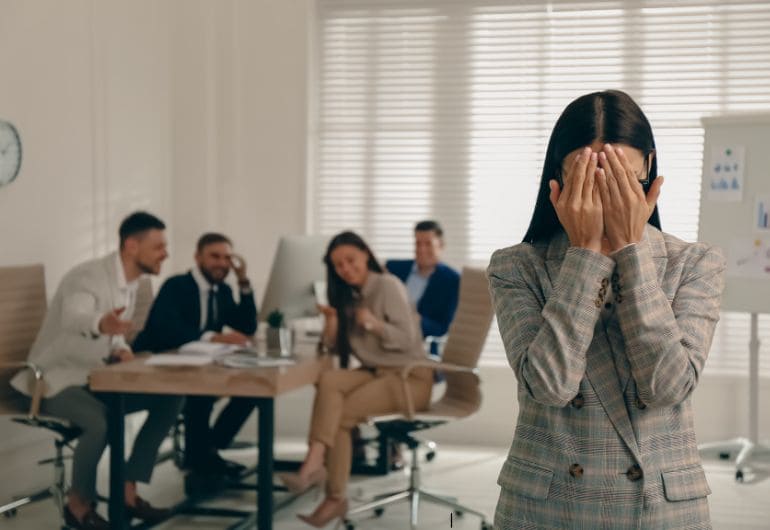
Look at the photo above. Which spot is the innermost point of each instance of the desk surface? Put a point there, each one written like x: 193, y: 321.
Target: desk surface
x: 211, y: 379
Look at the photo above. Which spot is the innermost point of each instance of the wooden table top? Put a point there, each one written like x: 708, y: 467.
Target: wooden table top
x: 137, y: 377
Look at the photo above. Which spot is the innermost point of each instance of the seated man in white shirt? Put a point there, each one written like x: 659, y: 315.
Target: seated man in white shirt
x: 84, y: 328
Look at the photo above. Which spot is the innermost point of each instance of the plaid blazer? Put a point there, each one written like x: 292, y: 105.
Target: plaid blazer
x: 605, y: 437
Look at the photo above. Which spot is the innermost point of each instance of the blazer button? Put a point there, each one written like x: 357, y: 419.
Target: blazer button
x: 578, y: 401
x: 634, y: 473
x: 641, y: 405
x: 576, y: 470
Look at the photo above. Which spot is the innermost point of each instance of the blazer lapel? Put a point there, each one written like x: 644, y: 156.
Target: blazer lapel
x: 600, y: 370
x: 109, y: 262
x: 194, y: 299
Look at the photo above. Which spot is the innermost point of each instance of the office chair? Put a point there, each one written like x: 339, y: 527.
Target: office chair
x: 22, y: 308
x: 462, y: 397
x: 387, y: 450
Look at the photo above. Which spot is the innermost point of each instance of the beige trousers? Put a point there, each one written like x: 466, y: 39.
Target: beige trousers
x: 344, y: 398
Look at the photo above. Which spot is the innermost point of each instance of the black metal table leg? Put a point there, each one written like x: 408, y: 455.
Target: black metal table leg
x: 266, y: 426
x: 116, y: 435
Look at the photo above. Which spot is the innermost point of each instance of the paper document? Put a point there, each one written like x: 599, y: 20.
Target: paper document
x: 319, y: 290
x: 210, y: 349
x: 249, y: 361
x: 178, y: 359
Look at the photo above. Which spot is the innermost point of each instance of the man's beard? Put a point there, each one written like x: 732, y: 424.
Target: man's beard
x: 146, y: 269
x: 210, y: 278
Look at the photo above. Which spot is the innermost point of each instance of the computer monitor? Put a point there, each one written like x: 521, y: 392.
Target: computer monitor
x: 297, y: 267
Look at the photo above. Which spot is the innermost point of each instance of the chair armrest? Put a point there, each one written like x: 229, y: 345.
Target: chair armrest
x: 39, y: 389
x: 436, y: 365
x: 407, y: 369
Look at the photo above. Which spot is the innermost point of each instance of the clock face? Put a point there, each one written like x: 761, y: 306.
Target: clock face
x: 10, y: 152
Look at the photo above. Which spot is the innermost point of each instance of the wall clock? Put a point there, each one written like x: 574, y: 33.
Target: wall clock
x: 10, y: 152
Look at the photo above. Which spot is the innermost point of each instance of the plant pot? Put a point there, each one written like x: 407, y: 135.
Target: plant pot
x: 279, y: 342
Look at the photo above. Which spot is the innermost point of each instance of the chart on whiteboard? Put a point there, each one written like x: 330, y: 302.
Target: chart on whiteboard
x: 749, y: 258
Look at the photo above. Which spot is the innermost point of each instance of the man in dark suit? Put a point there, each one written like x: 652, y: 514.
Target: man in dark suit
x: 433, y: 286
x: 196, y: 306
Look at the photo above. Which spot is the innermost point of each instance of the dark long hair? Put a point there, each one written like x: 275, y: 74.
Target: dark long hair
x: 610, y: 116
x: 342, y: 296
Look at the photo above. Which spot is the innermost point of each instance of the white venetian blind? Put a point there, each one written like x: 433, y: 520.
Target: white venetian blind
x: 442, y: 109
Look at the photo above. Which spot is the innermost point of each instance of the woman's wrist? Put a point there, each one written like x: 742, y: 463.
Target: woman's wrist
x: 374, y: 325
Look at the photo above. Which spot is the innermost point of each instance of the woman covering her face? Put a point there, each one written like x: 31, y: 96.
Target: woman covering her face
x: 607, y: 322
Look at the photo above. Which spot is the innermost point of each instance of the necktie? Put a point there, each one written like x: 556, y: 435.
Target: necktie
x: 211, y: 312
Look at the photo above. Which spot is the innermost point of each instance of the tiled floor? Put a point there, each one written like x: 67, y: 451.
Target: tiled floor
x: 468, y: 474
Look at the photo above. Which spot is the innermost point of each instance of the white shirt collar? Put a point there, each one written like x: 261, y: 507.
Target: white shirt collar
x: 121, y: 275
x: 203, y: 283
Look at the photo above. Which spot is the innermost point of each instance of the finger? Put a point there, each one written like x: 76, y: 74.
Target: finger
x: 633, y: 182
x: 578, y: 174
x: 613, y: 191
x: 654, y: 193
x: 118, y: 310
x: 555, y: 192
x: 568, y: 183
x: 596, y: 192
x: 590, y: 172
x: 604, y: 192
x: 619, y: 173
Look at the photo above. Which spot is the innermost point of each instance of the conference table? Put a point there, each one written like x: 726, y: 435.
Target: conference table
x: 264, y: 383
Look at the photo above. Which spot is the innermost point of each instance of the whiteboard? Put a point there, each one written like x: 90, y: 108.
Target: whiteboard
x: 729, y: 223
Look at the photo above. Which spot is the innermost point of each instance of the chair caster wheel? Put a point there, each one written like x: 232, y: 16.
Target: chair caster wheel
x: 459, y: 513
x: 378, y: 512
x: 739, y: 476
x: 348, y: 525
x: 429, y: 456
x: 10, y: 513
x: 724, y: 455
x: 486, y: 526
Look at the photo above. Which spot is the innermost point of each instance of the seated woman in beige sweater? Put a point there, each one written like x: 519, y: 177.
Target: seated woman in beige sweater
x: 370, y: 318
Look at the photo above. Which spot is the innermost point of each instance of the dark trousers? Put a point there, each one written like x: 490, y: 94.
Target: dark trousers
x: 87, y: 411
x: 201, y: 439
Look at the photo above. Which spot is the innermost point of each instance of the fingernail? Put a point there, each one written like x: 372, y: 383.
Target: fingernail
x: 619, y: 150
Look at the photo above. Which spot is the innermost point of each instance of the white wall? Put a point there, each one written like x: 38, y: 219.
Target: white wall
x: 239, y: 118
x: 191, y: 109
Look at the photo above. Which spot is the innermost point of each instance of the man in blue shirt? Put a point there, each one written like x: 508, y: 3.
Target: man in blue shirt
x: 432, y: 285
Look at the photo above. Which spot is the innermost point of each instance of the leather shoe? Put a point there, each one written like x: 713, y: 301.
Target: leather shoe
x: 213, y: 464
x: 296, y: 485
x: 146, y: 512
x: 91, y: 521
x: 232, y: 469
x: 326, y: 512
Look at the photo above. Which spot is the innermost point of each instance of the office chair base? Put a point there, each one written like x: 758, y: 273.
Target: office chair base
x: 56, y: 491
x: 745, y: 449
x: 414, y: 494
x: 10, y: 509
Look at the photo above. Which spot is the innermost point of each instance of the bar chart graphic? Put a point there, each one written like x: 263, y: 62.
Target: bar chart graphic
x: 762, y: 213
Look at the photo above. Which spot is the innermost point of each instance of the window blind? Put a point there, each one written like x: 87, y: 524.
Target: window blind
x: 442, y: 109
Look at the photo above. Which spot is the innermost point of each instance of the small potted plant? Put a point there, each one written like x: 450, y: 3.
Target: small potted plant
x: 277, y: 334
